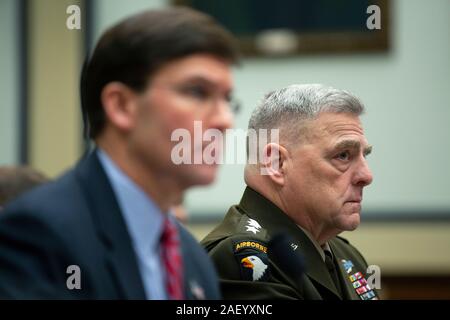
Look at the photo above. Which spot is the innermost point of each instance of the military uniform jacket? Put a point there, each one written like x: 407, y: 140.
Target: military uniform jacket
x: 247, y: 270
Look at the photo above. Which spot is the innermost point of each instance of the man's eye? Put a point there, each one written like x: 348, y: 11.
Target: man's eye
x: 197, y: 92
x: 344, y: 156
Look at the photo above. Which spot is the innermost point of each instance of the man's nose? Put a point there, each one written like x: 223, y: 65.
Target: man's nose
x: 222, y: 117
x: 363, y: 176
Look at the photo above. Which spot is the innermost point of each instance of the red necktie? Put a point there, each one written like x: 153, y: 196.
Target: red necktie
x: 172, y: 260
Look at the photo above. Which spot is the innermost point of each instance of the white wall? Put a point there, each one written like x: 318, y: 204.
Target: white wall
x: 108, y: 12
x: 407, y: 95
x: 9, y: 89
x: 406, y: 92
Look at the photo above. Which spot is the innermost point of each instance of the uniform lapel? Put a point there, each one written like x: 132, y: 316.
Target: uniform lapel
x: 193, y: 289
x: 111, y: 228
x: 316, y: 268
x: 276, y: 221
x: 187, y: 267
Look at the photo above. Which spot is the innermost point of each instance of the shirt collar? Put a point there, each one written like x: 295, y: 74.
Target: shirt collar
x: 142, y: 216
x: 320, y: 249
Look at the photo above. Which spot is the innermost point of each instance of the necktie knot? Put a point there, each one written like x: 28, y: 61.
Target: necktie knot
x: 170, y: 233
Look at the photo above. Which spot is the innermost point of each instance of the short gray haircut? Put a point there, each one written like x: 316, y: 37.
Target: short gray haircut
x: 287, y: 108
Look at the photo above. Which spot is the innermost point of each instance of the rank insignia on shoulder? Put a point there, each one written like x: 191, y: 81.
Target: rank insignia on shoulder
x: 252, y: 226
x: 252, y: 259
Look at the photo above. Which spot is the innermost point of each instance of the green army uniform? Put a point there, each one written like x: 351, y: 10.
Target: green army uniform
x: 239, y: 249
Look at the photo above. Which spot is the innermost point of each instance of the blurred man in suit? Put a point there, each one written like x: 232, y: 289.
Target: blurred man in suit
x: 102, y: 230
x: 311, y: 190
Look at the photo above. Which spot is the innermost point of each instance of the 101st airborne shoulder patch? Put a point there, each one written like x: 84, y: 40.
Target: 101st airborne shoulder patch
x: 252, y: 258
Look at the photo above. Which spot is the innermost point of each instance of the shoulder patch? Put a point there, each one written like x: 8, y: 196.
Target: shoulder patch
x: 249, y: 244
x: 252, y: 259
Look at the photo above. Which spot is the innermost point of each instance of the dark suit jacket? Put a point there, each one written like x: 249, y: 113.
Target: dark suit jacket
x: 76, y: 220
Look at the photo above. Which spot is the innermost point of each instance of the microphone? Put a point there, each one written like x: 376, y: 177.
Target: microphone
x: 289, y: 261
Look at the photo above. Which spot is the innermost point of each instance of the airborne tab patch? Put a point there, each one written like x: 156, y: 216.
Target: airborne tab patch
x: 250, y: 245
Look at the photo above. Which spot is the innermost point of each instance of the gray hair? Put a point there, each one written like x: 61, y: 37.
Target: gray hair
x: 288, y: 107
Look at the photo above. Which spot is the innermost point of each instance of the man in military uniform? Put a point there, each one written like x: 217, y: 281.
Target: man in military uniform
x: 309, y: 186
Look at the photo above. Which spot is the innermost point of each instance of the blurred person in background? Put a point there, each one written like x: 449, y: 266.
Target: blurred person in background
x: 15, y: 180
x: 102, y: 230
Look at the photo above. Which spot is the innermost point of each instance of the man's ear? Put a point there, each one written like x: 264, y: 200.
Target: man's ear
x: 119, y: 104
x: 273, y: 163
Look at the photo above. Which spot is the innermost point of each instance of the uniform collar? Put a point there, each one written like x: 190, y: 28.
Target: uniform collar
x: 320, y: 249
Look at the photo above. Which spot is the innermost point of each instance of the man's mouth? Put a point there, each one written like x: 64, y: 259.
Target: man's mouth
x: 354, y: 204
x: 355, y: 200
